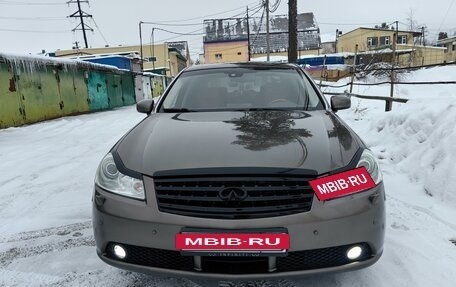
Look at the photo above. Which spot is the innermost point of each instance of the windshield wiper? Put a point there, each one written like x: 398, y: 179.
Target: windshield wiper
x: 178, y: 110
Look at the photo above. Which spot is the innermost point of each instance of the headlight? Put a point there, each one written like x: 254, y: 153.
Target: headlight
x: 109, y: 178
x: 369, y: 161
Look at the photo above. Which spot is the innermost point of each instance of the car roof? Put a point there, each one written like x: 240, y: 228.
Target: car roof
x: 263, y: 65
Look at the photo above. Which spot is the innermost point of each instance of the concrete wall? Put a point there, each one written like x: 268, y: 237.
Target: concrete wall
x: 232, y: 51
x: 348, y: 41
x: 38, y: 89
x: 450, y: 52
x: 422, y: 55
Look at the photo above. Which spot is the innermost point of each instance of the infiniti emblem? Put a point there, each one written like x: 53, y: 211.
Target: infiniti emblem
x: 233, y: 194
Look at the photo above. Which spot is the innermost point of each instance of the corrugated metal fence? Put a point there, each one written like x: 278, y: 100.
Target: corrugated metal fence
x: 38, y: 89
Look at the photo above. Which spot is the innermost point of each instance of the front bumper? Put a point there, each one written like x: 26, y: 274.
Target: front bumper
x: 329, y: 226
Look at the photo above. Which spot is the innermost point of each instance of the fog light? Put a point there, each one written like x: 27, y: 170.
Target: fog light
x: 119, y: 251
x: 354, y: 252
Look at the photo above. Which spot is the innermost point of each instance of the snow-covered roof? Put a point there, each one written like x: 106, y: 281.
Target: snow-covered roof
x: 328, y: 37
x: 152, y: 74
x: 31, y: 61
x: 271, y: 59
x: 446, y: 40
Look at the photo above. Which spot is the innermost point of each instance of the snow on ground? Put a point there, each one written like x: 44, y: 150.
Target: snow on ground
x: 47, y: 171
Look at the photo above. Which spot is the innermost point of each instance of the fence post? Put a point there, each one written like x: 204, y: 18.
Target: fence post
x: 322, y: 70
x: 354, y: 69
x: 389, y: 104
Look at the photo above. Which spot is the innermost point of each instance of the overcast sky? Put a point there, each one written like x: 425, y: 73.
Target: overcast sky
x: 29, y: 26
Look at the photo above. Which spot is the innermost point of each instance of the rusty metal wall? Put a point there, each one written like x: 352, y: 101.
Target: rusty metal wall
x: 128, y: 89
x: 11, y: 110
x: 158, y: 84
x: 33, y: 91
x: 74, y: 98
x: 98, y: 91
x: 114, y: 90
x: 32, y: 85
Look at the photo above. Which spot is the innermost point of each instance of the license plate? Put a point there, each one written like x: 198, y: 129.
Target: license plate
x: 342, y: 184
x: 232, y: 244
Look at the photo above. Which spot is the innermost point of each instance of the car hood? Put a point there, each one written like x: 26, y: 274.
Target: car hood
x: 315, y: 140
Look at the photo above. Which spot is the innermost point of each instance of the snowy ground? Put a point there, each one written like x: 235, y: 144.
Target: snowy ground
x: 47, y: 170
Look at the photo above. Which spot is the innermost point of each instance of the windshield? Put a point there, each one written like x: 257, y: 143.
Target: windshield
x: 241, y: 89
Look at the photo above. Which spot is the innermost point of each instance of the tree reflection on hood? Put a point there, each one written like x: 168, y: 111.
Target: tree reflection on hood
x: 262, y: 130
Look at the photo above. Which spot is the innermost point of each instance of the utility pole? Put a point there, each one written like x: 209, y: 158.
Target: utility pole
x: 396, y: 58
x: 389, y: 104
x: 81, y: 15
x: 422, y: 35
x: 248, y: 32
x: 141, y: 47
x: 266, y: 6
x: 153, y: 50
x: 354, y: 69
x: 292, y: 31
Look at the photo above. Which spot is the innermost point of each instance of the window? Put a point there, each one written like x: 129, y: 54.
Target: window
x: 372, y: 41
x: 151, y: 59
x: 384, y: 41
x: 454, y: 46
x: 402, y: 39
x: 218, y: 56
x: 239, y: 53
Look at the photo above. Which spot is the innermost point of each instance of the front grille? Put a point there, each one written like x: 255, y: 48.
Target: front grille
x: 266, y: 196
x: 319, y: 258
x: 294, y: 261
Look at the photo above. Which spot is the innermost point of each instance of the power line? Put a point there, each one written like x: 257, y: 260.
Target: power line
x: 260, y: 6
x: 99, y: 30
x: 256, y: 12
x: 181, y: 34
x: 34, y: 31
x: 177, y: 25
x: 199, y: 24
x: 275, y: 6
x: 446, y: 14
x: 191, y: 33
x: 209, y: 15
x: 31, y: 3
x: 259, y: 27
x: 347, y: 24
x: 34, y: 18
x: 198, y: 32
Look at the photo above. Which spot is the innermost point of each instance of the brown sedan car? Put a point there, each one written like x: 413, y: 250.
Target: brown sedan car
x: 240, y: 171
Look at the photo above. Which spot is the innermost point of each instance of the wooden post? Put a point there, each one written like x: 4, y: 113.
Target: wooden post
x: 323, y: 70
x: 354, y: 69
x: 389, y: 104
x: 248, y: 33
x: 268, y: 53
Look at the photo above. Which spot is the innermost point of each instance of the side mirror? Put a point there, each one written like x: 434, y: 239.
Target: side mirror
x: 340, y: 103
x: 145, y: 106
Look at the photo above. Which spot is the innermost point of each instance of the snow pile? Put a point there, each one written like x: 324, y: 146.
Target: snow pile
x: 419, y: 137
x: 422, y: 144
